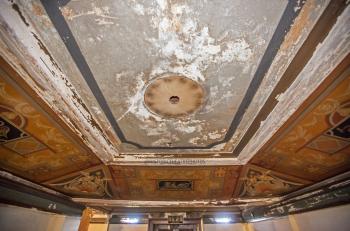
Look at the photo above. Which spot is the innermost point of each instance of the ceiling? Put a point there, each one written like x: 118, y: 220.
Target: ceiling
x: 32, y: 144
x: 174, y: 100
x: 154, y: 39
x: 225, y: 54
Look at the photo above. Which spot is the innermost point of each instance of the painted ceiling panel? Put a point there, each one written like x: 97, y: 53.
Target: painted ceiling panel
x: 31, y: 144
x: 317, y: 145
x: 256, y: 182
x: 94, y: 182
x: 174, y: 183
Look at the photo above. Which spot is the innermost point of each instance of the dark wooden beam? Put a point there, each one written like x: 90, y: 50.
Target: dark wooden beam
x: 331, y: 192
x: 23, y: 195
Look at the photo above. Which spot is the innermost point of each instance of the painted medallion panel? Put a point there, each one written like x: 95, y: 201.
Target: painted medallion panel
x: 175, y: 185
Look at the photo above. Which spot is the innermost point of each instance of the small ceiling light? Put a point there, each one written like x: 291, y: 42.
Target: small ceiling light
x: 258, y: 219
x: 222, y: 219
x: 129, y: 220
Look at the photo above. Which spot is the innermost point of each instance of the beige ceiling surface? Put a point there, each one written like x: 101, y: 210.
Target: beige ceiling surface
x: 124, y: 46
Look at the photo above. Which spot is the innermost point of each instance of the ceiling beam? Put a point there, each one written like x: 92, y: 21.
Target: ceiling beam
x: 331, y: 192
x: 24, y: 194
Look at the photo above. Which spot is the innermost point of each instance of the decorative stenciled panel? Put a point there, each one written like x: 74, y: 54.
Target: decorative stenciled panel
x: 256, y: 182
x: 33, y: 146
x: 94, y: 182
x: 174, y: 183
x: 317, y: 145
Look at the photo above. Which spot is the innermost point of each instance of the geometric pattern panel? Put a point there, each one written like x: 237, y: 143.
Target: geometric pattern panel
x: 175, y: 183
x: 341, y: 130
x: 9, y: 131
x: 31, y: 144
x: 11, y: 134
x: 25, y: 146
x: 328, y: 144
x: 314, y: 143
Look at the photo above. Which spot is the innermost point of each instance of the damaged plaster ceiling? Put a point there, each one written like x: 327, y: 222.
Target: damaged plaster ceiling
x: 168, y: 77
x: 215, y: 104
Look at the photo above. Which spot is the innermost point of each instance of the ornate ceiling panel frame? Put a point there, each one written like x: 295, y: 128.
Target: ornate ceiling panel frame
x: 24, y: 50
x: 58, y: 20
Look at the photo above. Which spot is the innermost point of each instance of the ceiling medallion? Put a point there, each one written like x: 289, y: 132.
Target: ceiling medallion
x: 174, y: 96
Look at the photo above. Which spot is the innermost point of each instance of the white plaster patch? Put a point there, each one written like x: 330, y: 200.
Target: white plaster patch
x: 186, y: 129
x: 218, y: 147
x: 212, y: 103
x: 96, y: 110
x: 139, y: 9
x: 103, y: 21
x: 103, y: 16
x: 186, y: 47
x: 155, y: 128
x: 163, y: 4
x: 236, y: 50
x: 214, y: 135
x: 189, y: 126
x: 166, y: 141
x: 161, y: 141
x: 194, y: 140
x: 136, y: 105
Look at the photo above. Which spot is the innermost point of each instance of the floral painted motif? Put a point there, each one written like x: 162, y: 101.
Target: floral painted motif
x: 259, y: 182
x: 91, y: 182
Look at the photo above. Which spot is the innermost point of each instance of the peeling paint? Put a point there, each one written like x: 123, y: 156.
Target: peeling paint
x: 325, y: 58
x: 103, y: 15
x: 44, y: 69
x: 176, y: 37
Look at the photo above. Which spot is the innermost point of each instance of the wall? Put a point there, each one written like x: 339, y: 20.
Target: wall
x: 335, y: 218
x: 13, y: 218
x: 223, y: 227
x: 98, y: 227
x: 121, y: 227
x: 280, y: 224
x: 330, y: 219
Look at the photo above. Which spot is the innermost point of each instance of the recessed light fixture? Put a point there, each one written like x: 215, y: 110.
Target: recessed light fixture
x: 222, y: 219
x: 258, y: 219
x: 129, y: 220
